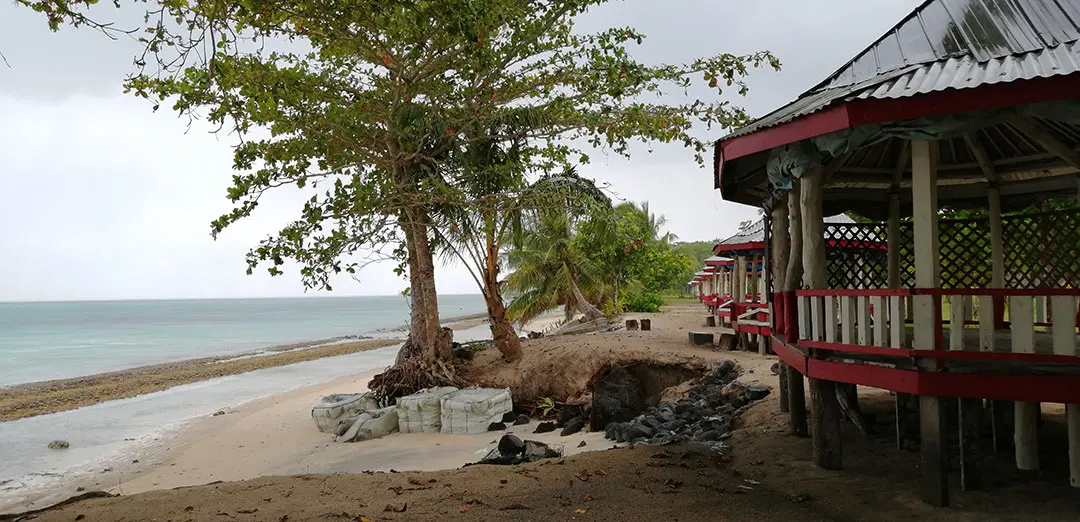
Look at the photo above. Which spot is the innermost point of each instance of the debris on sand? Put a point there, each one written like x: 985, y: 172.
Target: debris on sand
x: 703, y: 418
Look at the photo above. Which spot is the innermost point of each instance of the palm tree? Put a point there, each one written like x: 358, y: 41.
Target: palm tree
x: 547, y: 272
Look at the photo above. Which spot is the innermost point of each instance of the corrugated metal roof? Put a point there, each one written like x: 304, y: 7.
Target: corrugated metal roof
x: 950, y: 44
x: 755, y: 233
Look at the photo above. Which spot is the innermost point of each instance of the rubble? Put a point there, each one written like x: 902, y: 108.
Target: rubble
x: 704, y: 417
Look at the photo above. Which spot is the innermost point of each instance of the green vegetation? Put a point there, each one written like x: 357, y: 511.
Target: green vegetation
x: 618, y: 260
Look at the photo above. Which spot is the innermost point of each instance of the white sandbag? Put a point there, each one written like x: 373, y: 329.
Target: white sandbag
x: 372, y: 425
x: 420, y: 412
x: 334, y: 407
x: 472, y: 410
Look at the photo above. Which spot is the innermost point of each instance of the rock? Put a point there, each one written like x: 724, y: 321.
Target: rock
x: 496, y: 426
x: 464, y: 354
x: 756, y: 393
x: 564, y: 416
x: 581, y: 444
x: 545, y: 427
x: 732, y: 390
x: 59, y: 444
x: 709, y: 435
x: 509, y: 417
x: 511, y: 444
x: 539, y: 450
x: 652, y: 422
x: 620, y: 431
x: 775, y: 368
x: 521, y: 420
x: 638, y: 431
x: 575, y: 425
x: 610, y: 429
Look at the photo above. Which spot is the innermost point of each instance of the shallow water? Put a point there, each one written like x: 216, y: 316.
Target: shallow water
x: 45, y: 341
x: 111, y: 434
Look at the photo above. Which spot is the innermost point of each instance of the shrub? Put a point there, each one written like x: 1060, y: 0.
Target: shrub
x: 645, y: 302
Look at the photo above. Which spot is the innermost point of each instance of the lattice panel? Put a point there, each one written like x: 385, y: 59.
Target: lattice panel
x: 906, y: 246
x: 965, y: 253
x: 1042, y: 250
x: 856, y: 255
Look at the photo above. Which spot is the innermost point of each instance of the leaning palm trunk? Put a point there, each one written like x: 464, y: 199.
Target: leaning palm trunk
x: 591, y: 312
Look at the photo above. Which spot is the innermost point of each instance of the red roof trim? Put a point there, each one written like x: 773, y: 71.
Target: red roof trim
x: 754, y: 245
x: 866, y: 112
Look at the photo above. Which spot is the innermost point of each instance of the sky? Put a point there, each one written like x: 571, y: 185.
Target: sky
x: 101, y: 198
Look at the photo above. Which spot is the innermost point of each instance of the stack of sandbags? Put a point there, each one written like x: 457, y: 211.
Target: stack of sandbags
x: 472, y: 410
x: 332, y: 408
x: 370, y: 425
x: 421, y: 411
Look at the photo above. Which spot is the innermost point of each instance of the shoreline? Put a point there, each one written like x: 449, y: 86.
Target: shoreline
x: 31, y: 399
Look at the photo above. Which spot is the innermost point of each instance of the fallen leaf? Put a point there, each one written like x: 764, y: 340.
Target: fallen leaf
x: 600, y: 473
x: 753, y: 482
x: 579, y: 511
x: 79, y: 517
x: 514, y: 506
x: 362, y: 518
x: 672, y: 483
x: 284, y: 518
x: 390, y: 508
x: 463, y: 510
x: 247, y: 511
x: 589, y: 498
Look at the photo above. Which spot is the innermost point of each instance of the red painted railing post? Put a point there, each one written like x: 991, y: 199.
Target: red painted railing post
x: 791, y: 318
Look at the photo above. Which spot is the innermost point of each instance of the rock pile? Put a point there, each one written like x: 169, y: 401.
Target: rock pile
x: 704, y: 416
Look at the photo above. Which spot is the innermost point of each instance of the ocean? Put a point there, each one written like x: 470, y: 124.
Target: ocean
x: 56, y: 340
x: 40, y: 341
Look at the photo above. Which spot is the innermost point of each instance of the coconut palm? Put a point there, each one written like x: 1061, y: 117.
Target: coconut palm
x: 547, y: 272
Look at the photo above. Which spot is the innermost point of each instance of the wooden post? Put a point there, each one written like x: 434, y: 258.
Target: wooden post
x: 792, y: 277
x: 927, y: 311
x: 825, y: 423
x: 992, y: 316
x: 1026, y: 416
x: 896, y: 328
x: 971, y: 410
x: 777, y: 257
x: 1063, y: 308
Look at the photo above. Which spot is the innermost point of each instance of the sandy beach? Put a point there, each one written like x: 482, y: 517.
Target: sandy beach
x: 271, y: 435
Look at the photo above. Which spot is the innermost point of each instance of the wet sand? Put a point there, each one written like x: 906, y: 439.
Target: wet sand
x: 40, y: 398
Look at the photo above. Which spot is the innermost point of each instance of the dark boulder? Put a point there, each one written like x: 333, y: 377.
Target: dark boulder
x: 511, y: 444
x: 521, y: 420
x: 496, y: 426
x: 756, y: 393
x: 545, y: 427
x: 509, y: 417
x: 638, y: 431
x: 573, y: 426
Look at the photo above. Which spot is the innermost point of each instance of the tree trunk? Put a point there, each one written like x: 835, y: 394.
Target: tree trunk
x: 502, y: 332
x: 591, y: 312
x: 425, y: 338
x: 506, y: 338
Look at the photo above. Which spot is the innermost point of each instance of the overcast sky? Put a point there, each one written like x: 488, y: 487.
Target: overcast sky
x: 100, y: 198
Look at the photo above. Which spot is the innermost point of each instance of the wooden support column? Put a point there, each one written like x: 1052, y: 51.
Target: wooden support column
x: 927, y: 313
x: 1063, y: 308
x: 777, y: 259
x: 792, y: 278
x: 892, y: 236
x: 1026, y: 416
x: 994, y: 308
x: 825, y: 409
x: 971, y: 410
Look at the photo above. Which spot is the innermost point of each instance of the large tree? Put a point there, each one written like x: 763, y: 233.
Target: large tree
x: 366, y: 99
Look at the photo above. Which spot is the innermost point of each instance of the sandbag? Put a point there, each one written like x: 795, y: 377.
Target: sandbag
x: 332, y: 408
x: 472, y: 410
x: 420, y: 412
x: 371, y: 425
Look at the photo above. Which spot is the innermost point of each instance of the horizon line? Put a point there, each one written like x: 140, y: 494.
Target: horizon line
x: 129, y: 299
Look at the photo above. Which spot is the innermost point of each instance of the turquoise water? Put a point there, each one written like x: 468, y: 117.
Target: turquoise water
x: 44, y: 341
